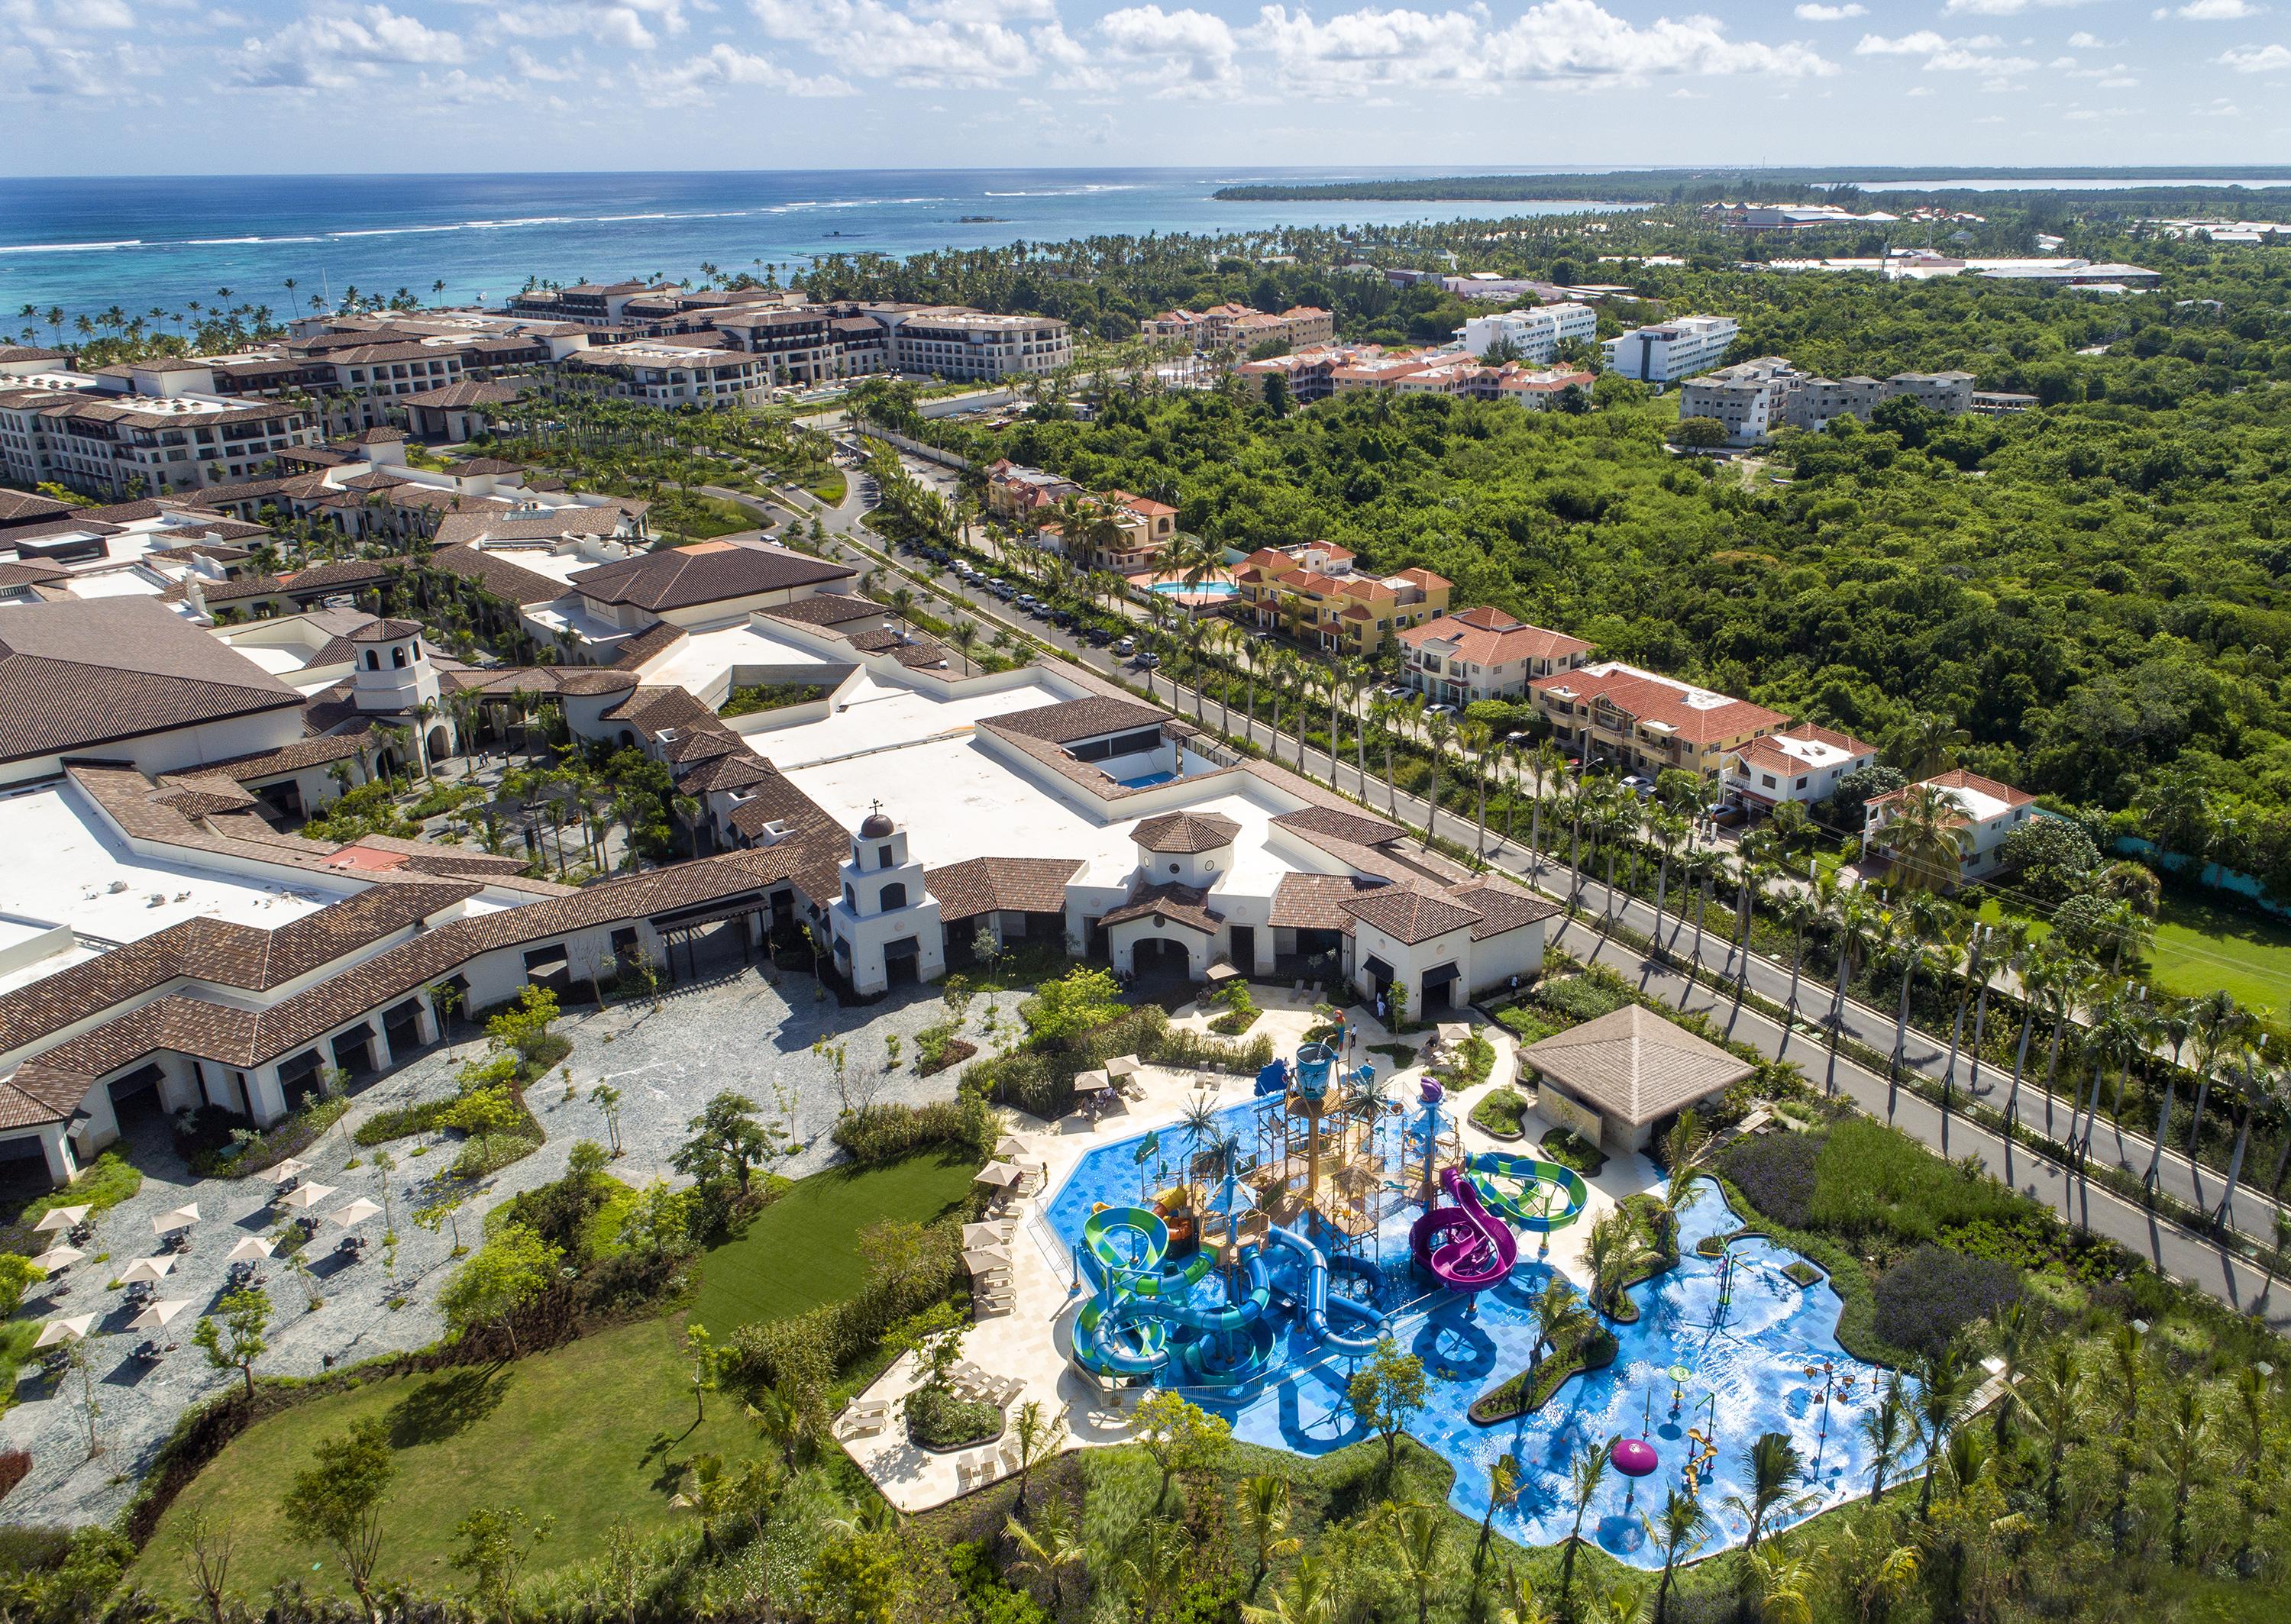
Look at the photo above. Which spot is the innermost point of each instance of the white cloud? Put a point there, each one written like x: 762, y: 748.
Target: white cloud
x: 1568, y: 42
x: 1183, y: 53
x: 929, y: 43
x: 633, y: 25
x: 2210, y: 11
x: 2256, y: 59
x: 1830, y: 13
x: 2082, y: 41
x: 2003, y: 8
x: 695, y: 81
x: 328, y: 50
x: 1969, y: 53
x: 1921, y: 90
x: 2221, y: 107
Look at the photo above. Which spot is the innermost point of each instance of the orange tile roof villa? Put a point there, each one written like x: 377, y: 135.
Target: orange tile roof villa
x: 1313, y: 590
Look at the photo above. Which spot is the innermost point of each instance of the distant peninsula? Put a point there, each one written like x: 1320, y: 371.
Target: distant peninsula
x: 1655, y: 185
x: 982, y: 220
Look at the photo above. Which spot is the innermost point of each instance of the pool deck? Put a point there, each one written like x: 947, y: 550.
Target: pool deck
x: 1030, y: 1342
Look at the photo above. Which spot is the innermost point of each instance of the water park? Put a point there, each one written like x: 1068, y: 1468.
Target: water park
x: 1254, y: 1256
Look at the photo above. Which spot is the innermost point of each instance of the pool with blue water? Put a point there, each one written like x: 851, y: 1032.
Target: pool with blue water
x: 1756, y: 1364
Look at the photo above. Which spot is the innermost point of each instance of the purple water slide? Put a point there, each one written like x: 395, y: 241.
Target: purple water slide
x: 1466, y: 1247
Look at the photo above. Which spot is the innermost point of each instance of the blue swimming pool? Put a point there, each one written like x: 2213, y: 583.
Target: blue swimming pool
x: 1749, y: 1361
x: 1148, y: 781
x: 1200, y: 588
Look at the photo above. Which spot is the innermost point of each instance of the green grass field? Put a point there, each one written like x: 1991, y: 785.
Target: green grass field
x: 830, y: 487
x: 592, y: 1432
x: 2203, y: 947
x: 803, y: 1250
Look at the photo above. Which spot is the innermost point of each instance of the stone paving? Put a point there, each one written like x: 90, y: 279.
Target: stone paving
x: 744, y: 1032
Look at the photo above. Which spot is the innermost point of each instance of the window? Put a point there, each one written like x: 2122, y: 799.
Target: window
x: 373, y: 659
x: 882, y: 856
x: 894, y: 896
x: 850, y: 900
x: 397, y: 656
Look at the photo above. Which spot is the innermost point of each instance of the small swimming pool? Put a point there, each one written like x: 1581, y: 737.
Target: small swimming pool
x: 1147, y: 782
x: 1200, y: 588
x: 1764, y: 1357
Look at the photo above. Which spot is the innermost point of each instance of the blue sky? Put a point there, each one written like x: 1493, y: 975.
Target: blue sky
x: 140, y: 86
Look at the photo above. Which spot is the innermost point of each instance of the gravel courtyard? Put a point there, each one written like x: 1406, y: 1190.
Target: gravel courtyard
x: 746, y: 1034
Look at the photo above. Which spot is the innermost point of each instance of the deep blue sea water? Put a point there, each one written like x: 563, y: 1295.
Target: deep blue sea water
x: 161, y: 242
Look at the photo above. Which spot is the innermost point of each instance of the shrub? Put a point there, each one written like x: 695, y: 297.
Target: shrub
x: 1933, y: 1294
x: 945, y: 1421
x: 1775, y: 1172
x: 1577, y: 999
x: 401, y: 1122
x: 1875, y: 1179
x: 1571, y: 1149
x: 14, y: 1465
x: 1529, y: 1024
x: 877, y: 1134
x: 244, y: 1152
x: 1499, y: 1112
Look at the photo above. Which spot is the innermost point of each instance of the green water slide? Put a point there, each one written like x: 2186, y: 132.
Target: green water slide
x: 1540, y: 1195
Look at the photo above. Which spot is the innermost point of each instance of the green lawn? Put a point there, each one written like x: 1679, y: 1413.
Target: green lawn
x: 2202, y: 947
x: 592, y: 1432
x: 830, y: 487
x: 803, y: 1250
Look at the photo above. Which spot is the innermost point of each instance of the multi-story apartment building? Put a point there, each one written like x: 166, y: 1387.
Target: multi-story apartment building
x: 1314, y: 375
x: 1484, y: 653
x: 588, y: 303
x: 662, y: 372
x: 1020, y: 494
x: 1803, y: 764
x: 1753, y: 399
x: 1533, y: 335
x: 105, y: 436
x: 1243, y: 326
x: 1312, y: 591
x: 1622, y: 716
x: 951, y: 341
x: 1671, y: 350
x: 794, y: 346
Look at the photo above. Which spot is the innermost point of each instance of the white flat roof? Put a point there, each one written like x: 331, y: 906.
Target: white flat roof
x: 873, y: 716
x: 958, y: 802
x: 78, y: 874
x: 703, y: 657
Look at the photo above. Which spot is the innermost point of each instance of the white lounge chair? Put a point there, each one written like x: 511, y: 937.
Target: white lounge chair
x: 865, y: 1420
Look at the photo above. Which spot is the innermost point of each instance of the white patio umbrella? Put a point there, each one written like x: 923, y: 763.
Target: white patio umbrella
x: 57, y: 1219
x: 1122, y: 1065
x: 1092, y: 1082
x: 354, y: 1213
x: 159, y: 1313
x: 56, y: 1258
x: 294, y: 1167
x: 147, y: 1268
x: 57, y: 1331
x: 997, y: 1173
x: 252, y: 1250
x: 182, y: 1217
x: 1010, y: 1149
x: 985, y: 1260
x: 303, y: 1197
x: 983, y: 1234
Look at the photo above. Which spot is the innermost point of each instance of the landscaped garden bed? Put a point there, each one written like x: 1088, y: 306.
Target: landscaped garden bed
x: 1571, y: 1149
x: 1500, y: 1116
x: 1589, y: 1348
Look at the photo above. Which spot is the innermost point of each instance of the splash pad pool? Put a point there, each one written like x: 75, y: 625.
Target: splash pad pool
x: 1761, y: 1356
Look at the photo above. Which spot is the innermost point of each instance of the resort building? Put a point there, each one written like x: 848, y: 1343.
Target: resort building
x: 1620, y: 716
x: 1484, y: 653
x: 1753, y: 399
x: 665, y: 372
x: 1532, y: 336
x: 1243, y: 327
x: 1802, y: 763
x: 1314, y: 375
x: 1671, y: 350
x: 146, y: 431
x: 1019, y: 495
x: 1985, y: 812
x: 1312, y: 591
x: 954, y: 341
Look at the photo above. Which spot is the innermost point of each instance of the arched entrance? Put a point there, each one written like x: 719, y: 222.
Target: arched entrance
x: 1160, y: 959
x: 440, y: 745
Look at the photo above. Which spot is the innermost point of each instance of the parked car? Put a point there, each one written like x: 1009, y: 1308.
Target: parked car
x: 1098, y: 636
x: 1638, y: 784
x: 1125, y: 646
x: 1441, y: 711
x: 1148, y: 660
x: 1731, y: 816
x: 1062, y: 619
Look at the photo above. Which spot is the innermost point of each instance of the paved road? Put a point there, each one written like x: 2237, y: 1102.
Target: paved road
x: 2171, y: 1248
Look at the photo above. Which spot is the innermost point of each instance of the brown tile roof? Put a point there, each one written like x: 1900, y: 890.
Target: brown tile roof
x: 289, y: 758
x: 1357, y: 828
x: 650, y: 710
x: 1487, y: 636
x: 467, y: 392
x: 649, y: 645
x: 507, y: 524
x: 1409, y: 916
x: 1662, y: 702
x: 1178, y: 833
x: 1316, y: 902
x: 990, y: 885
x: 502, y: 576
x: 22, y: 506
x: 830, y: 609
x: 77, y: 674
x: 1180, y: 905
x: 735, y: 769
x: 1501, y: 907
x: 709, y: 572
x: 1634, y: 1065
x: 1073, y: 719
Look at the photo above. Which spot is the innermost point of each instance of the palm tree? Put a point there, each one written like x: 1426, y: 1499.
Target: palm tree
x: 1503, y: 1494
x: 1852, y: 923
x: 1612, y: 1252
x: 1558, y: 1312
x: 965, y: 636
x: 1416, y: 1532
x: 2183, y: 1452
x: 1310, y: 1594
x: 1666, y: 829
x: 2119, y: 1032
x: 1438, y: 730
x: 1944, y: 1388
x: 1051, y: 1547
x: 1926, y: 834
x: 2054, y: 1401
x: 1549, y: 763
x: 1680, y: 1531
x: 1472, y: 739
x: 1773, y: 1466
x: 2220, y: 1029
x: 1264, y: 1510
x: 1682, y: 1150
x: 1519, y: 1604
x: 1783, y: 1582
x: 1800, y: 907
x: 1035, y: 1436
x: 1920, y: 920
x: 1584, y: 1472
x: 1928, y: 743
x: 1882, y: 1431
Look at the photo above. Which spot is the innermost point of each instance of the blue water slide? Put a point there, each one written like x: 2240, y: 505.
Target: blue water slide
x: 1318, y: 1305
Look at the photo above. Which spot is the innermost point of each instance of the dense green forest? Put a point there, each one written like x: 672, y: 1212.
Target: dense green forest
x: 2095, y: 590
x: 2148, y: 188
